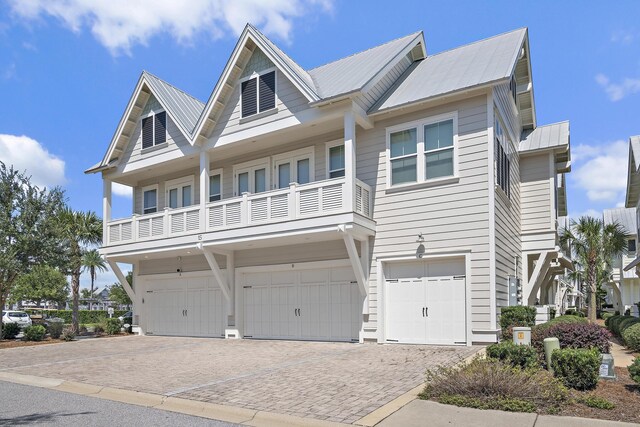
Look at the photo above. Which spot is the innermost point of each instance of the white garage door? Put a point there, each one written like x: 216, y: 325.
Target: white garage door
x: 184, y: 307
x: 314, y: 304
x: 425, y: 302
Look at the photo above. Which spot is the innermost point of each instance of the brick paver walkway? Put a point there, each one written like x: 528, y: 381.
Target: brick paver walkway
x: 332, y: 381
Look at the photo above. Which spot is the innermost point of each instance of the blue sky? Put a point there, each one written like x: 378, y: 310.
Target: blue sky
x: 68, y: 68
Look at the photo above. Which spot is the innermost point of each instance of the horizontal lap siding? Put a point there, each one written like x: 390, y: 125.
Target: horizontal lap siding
x: 535, y: 193
x: 507, y: 211
x: 449, y: 216
x: 160, y: 181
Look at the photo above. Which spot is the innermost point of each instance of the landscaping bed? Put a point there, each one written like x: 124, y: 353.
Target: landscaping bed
x: 48, y: 340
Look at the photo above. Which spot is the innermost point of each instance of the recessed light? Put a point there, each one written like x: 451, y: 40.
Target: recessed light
x: 146, y: 257
x: 188, y: 252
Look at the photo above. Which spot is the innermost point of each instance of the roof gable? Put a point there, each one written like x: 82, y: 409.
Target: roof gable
x: 633, y: 173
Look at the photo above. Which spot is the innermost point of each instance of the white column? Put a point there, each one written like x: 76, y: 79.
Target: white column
x: 231, y: 281
x: 204, y: 187
x: 106, y: 209
x: 364, y: 260
x: 350, y: 158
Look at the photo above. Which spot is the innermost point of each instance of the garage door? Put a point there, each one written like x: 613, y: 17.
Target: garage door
x: 184, y: 307
x: 313, y: 304
x: 425, y: 302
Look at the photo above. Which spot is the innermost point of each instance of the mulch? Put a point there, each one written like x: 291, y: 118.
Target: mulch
x: 48, y: 340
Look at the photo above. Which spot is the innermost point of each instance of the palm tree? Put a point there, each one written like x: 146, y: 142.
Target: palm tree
x: 594, y: 246
x: 79, y: 229
x: 93, y: 263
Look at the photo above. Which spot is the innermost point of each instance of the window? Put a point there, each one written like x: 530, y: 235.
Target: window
x: 514, y: 88
x: 251, y: 177
x: 154, y: 130
x: 294, y: 166
x: 179, y: 192
x: 215, y: 185
x: 502, y: 158
x: 258, y: 94
x: 422, y: 151
x: 150, y: 199
x: 631, y: 245
x: 336, y: 160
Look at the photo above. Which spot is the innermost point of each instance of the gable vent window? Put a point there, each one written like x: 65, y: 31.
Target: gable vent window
x: 154, y: 130
x: 514, y: 90
x: 258, y: 94
x: 502, y: 159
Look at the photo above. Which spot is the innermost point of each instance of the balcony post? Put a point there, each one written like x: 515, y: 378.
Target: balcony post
x: 293, y: 203
x: 106, y: 209
x: 204, y: 188
x: 349, y: 159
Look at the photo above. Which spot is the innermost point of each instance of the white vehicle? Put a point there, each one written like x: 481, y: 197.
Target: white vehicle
x: 20, y: 317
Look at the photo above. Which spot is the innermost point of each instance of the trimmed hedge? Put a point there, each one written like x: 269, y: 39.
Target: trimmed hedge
x: 522, y: 356
x: 517, y: 315
x: 567, y: 318
x: 84, y: 316
x: 576, y: 368
x: 618, y: 324
x: 634, y: 370
x: 631, y: 336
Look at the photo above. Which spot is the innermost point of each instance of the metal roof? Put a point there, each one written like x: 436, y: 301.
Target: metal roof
x: 626, y: 217
x: 354, y: 72
x: 475, y: 64
x: 183, y: 107
x: 555, y: 135
x: 634, y: 141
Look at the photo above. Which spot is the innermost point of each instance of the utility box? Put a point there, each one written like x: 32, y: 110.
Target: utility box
x: 522, y: 335
x: 515, y: 291
x: 607, y: 367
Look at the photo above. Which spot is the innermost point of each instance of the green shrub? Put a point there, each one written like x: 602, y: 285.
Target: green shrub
x: 522, y: 356
x: 596, y: 402
x: 34, y: 333
x: 99, y: 328
x: 572, y: 312
x: 567, y: 319
x: 112, y: 326
x: 606, y: 316
x: 84, y: 316
x: 631, y: 337
x: 491, y: 384
x: 517, y: 315
x: 552, y: 313
x: 10, y: 331
x: 576, y: 368
x: 55, y: 329
x: 634, y: 370
x: 68, y: 334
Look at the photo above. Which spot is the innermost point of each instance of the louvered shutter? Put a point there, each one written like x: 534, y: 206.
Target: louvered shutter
x: 161, y: 128
x: 268, y: 91
x: 147, y: 132
x: 249, y: 97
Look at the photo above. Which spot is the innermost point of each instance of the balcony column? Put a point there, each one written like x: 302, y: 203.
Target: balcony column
x: 106, y: 209
x: 350, y: 159
x: 204, y: 187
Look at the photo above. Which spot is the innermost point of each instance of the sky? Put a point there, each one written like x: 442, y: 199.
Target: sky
x: 69, y: 67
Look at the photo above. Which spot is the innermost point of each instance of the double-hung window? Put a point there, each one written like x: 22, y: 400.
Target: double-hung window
x: 258, y: 94
x: 179, y: 192
x: 215, y: 185
x: 295, y: 167
x: 502, y: 157
x: 251, y: 177
x: 150, y: 199
x: 422, y: 151
x: 335, y: 164
x: 154, y: 129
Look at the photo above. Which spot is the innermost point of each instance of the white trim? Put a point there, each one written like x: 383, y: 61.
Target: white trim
x: 151, y: 114
x: 292, y: 157
x: 251, y: 167
x: 256, y: 75
x: 144, y: 190
x: 493, y: 310
x: 214, y: 172
x: 327, y: 153
x: 311, y: 265
x: 179, y: 184
x: 421, y: 152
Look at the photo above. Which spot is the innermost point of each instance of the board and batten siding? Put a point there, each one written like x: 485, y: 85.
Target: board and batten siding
x: 369, y: 98
x: 449, y: 216
x: 535, y: 192
x: 508, y: 247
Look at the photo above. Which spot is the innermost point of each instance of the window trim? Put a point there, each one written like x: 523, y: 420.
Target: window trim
x: 635, y: 245
x: 256, y: 75
x: 509, y: 152
x: 421, y: 150
x: 178, y: 184
x: 292, y: 157
x: 155, y: 146
x: 214, y: 172
x: 328, y: 146
x: 251, y: 166
x: 144, y: 190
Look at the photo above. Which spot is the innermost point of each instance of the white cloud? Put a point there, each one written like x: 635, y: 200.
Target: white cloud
x: 623, y: 36
x: 121, y: 24
x: 617, y: 91
x: 589, y: 212
x: 28, y: 155
x: 9, y: 72
x: 121, y: 190
x: 602, y: 170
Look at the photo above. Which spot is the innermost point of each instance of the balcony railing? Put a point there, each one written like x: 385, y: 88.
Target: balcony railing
x: 297, y: 201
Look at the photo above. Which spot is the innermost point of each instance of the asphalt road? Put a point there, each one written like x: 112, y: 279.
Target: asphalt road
x: 26, y: 405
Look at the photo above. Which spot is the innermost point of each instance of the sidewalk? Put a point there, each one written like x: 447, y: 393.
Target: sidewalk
x: 425, y: 412
x: 621, y: 356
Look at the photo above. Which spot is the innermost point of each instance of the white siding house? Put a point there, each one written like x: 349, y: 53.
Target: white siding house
x: 390, y: 196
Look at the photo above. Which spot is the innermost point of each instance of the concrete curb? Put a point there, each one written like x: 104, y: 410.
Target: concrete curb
x: 229, y: 414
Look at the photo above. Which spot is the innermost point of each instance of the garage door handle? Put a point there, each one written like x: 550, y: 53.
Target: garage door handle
x: 426, y: 312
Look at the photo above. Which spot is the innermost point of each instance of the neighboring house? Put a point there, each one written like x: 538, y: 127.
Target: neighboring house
x: 389, y: 196
x: 630, y: 291
x: 625, y: 284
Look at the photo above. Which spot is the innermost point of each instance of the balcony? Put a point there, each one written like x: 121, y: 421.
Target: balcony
x: 316, y: 199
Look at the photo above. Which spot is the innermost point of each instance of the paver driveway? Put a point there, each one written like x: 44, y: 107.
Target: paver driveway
x: 331, y: 381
